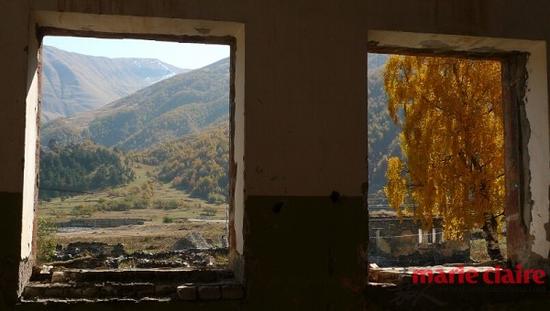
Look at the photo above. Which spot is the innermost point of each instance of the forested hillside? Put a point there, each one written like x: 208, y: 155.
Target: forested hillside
x: 196, y: 163
x: 178, y: 125
x: 81, y: 167
x: 383, y: 137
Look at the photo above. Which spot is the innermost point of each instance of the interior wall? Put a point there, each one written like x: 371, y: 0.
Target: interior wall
x: 30, y: 163
x: 304, y: 132
x: 537, y: 110
x: 13, y: 87
x: 297, y: 136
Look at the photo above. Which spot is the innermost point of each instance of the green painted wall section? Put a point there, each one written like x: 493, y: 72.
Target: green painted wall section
x: 305, y: 251
x: 10, y: 228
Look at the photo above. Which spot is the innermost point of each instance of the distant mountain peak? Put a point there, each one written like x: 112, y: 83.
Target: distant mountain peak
x: 74, y: 82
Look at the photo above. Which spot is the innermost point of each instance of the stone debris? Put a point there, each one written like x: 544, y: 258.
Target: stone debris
x: 93, y: 249
x: 193, y: 240
x: 94, y: 255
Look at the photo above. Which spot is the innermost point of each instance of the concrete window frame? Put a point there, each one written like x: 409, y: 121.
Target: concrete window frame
x: 137, y: 27
x: 527, y: 152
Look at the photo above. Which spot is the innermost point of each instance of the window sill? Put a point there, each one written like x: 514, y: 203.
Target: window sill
x: 134, y: 285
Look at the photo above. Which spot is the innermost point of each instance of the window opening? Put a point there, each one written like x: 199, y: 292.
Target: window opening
x: 436, y: 160
x: 135, y: 146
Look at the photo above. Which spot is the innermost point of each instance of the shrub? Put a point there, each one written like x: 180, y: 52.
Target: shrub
x: 125, y: 204
x: 141, y: 203
x: 166, y: 204
x: 119, y: 205
x: 171, y: 204
x: 216, y: 198
x: 209, y: 211
x: 84, y: 210
x: 167, y: 220
x: 46, y: 243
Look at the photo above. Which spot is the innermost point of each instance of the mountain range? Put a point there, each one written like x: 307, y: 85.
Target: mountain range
x: 75, y: 82
x: 166, y: 110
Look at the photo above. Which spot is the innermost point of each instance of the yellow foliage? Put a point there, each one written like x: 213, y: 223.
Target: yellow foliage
x: 396, y: 187
x: 450, y: 112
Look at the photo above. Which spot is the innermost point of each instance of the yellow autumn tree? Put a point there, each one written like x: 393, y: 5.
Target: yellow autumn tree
x: 452, y: 142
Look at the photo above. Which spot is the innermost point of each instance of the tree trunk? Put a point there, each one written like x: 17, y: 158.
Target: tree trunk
x: 491, y: 237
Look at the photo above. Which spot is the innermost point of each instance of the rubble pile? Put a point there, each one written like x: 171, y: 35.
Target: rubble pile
x: 190, y: 252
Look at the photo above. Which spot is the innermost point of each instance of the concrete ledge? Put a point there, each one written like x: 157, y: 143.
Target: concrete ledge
x: 139, y: 275
x: 187, y: 292
x: 224, y: 291
x: 135, y: 284
x: 210, y: 292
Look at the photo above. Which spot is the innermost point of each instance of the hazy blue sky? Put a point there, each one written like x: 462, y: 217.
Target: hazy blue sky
x: 183, y: 55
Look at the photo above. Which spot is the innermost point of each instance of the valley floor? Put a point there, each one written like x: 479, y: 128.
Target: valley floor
x: 184, y: 223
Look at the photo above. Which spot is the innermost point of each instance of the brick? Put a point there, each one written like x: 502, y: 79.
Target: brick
x: 165, y: 289
x: 210, y: 292
x: 32, y: 292
x: 187, y: 292
x: 55, y: 291
x: 90, y: 292
x: 232, y: 291
x: 58, y: 277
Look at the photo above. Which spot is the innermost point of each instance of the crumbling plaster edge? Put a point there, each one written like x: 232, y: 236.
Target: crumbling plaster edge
x: 538, y: 147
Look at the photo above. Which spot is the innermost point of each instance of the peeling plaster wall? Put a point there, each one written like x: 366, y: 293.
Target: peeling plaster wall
x: 14, y: 88
x: 539, y: 149
x: 31, y: 145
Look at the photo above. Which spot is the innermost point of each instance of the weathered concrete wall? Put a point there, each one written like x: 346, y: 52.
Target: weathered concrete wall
x: 304, y: 135
x: 12, y: 116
